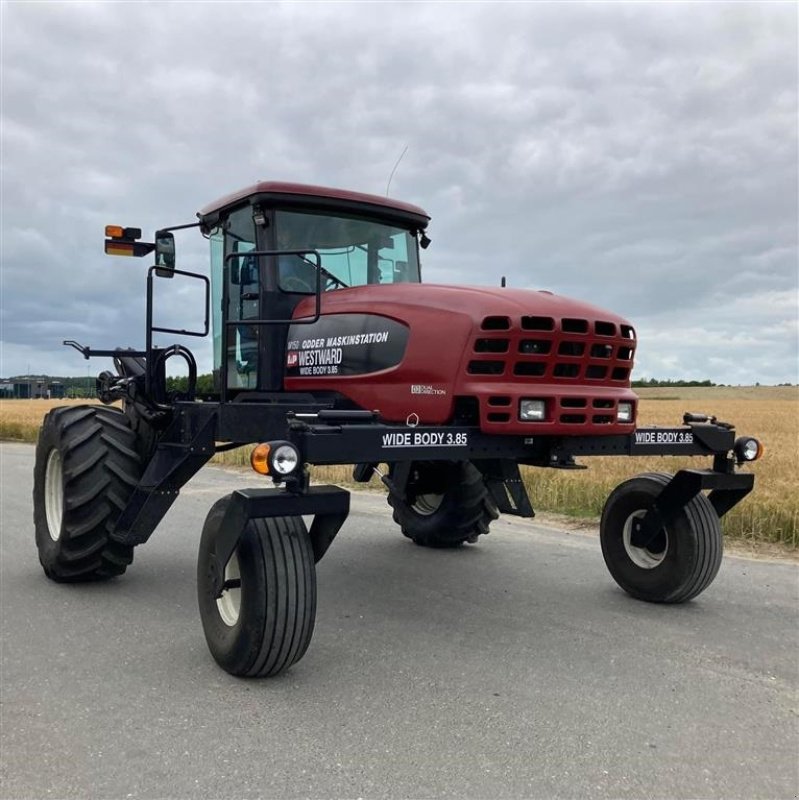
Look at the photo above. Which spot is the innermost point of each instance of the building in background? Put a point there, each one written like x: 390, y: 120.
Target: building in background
x: 31, y: 387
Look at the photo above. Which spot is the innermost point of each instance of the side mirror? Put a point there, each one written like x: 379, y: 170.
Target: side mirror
x: 164, y: 254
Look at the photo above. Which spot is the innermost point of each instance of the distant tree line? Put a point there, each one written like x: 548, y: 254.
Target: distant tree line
x: 205, y: 384
x: 645, y: 382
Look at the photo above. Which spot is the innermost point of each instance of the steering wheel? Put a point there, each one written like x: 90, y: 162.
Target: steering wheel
x: 293, y: 283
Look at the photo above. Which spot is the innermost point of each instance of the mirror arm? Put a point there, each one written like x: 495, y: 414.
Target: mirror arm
x: 181, y: 227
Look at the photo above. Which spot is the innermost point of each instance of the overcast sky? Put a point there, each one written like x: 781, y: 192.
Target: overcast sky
x: 642, y: 157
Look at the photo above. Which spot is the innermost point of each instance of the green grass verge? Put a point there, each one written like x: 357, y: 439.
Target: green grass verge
x: 18, y: 431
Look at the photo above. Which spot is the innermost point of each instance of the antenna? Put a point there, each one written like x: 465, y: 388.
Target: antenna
x: 395, y: 168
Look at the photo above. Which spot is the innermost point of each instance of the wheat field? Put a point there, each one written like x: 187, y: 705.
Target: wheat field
x: 769, y: 514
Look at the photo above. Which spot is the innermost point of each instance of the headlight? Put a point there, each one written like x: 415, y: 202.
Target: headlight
x: 624, y: 412
x: 532, y: 410
x: 275, y: 458
x: 747, y: 448
x: 285, y: 459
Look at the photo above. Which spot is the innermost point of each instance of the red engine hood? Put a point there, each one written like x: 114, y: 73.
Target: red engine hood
x: 475, y: 301
x: 471, y: 344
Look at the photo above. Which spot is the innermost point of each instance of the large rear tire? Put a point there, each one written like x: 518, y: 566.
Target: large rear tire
x: 264, y: 620
x: 679, y: 563
x: 86, y: 468
x: 447, y: 504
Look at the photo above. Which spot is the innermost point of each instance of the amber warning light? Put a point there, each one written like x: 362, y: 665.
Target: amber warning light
x: 123, y: 242
x: 259, y: 458
x: 118, y: 232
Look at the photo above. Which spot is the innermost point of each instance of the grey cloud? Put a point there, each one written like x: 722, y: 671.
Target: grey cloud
x: 642, y: 157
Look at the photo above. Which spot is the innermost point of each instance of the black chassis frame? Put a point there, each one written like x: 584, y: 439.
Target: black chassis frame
x: 323, y: 435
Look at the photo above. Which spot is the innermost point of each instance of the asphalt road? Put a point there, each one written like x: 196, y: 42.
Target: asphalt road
x: 514, y: 668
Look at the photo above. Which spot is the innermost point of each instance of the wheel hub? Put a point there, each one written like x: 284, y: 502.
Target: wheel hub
x: 427, y: 504
x: 54, y: 494
x: 647, y: 557
x: 229, y: 602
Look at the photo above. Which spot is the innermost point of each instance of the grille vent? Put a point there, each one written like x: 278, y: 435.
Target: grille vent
x: 486, y: 367
x: 496, y: 324
x: 491, y: 346
x: 579, y: 355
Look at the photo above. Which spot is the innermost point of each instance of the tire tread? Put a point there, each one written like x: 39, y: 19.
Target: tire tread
x: 465, y: 512
x: 99, y: 470
x: 278, y: 609
x: 702, y: 527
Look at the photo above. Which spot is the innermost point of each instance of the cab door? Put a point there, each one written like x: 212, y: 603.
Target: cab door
x: 237, y: 350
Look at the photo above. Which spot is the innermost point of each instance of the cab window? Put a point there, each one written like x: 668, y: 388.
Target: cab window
x: 353, y: 252
x: 236, y: 235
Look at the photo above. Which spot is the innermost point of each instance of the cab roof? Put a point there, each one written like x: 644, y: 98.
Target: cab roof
x: 281, y: 193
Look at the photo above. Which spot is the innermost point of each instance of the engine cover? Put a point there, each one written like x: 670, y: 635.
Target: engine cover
x: 427, y: 350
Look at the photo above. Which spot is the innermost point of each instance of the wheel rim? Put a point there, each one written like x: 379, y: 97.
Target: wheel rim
x: 229, y: 603
x: 427, y: 504
x: 643, y: 557
x: 54, y: 494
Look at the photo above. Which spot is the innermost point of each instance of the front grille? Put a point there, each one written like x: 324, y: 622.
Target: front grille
x: 564, y: 350
x: 579, y: 367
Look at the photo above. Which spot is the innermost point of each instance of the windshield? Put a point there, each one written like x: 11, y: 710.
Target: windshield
x: 353, y: 251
